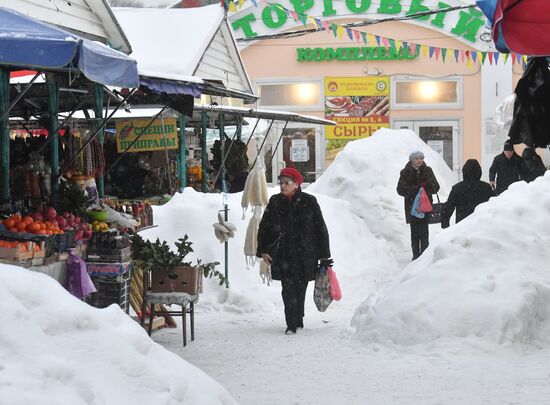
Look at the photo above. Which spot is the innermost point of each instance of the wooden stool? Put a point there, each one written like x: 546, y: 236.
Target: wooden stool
x: 186, y: 301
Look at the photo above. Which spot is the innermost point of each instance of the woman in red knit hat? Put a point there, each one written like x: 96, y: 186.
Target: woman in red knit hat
x: 292, y: 238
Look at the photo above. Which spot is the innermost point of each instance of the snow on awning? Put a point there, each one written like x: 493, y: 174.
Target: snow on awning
x: 29, y: 43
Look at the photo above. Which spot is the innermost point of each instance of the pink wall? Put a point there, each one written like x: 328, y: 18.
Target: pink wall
x: 277, y: 59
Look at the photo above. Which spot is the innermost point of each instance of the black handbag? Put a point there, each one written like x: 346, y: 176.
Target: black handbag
x: 434, y: 217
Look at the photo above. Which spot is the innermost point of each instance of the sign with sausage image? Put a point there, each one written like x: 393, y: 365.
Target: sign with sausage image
x: 360, y: 106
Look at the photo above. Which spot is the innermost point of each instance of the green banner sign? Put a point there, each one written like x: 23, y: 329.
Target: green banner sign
x: 354, y: 54
x: 467, y: 25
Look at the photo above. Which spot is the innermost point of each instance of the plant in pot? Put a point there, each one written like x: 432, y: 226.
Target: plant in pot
x: 170, y: 272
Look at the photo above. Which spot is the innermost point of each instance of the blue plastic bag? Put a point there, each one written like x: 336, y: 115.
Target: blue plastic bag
x: 416, y: 204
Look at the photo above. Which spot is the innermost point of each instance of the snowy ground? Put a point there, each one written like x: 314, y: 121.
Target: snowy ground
x: 467, y: 323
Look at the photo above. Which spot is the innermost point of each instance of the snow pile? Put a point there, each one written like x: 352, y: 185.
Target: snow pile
x: 55, y: 349
x: 485, y: 278
x: 365, y: 174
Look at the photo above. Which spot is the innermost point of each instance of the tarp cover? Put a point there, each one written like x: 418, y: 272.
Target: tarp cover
x: 29, y: 43
x: 519, y: 26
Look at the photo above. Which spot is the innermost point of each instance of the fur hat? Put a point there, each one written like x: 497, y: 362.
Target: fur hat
x: 415, y: 155
x: 508, y: 146
x: 292, y: 173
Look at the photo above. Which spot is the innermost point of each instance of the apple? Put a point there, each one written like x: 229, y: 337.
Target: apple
x: 37, y: 216
x: 50, y: 213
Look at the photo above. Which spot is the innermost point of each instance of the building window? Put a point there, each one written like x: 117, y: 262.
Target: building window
x: 299, y: 95
x: 415, y: 93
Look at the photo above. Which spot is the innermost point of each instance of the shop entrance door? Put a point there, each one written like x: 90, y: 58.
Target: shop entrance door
x: 299, y: 148
x: 441, y: 136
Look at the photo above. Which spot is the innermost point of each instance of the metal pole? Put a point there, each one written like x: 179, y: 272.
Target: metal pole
x: 98, y: 104
x: 276, y: 146
x: 251, y: 135
x: 5, y: 133
x: 166, y: 156
x: 53, y: 110
x: 19, y: 96
x: 203, y: 150
x: 224, y: 190
x: 239, y: 127
x: 262, y: 145
x: 183, y: 147
x: 105, y: 121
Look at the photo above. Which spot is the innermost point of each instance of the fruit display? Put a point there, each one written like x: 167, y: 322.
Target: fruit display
x: 100, y: 226
x: 48, y: 222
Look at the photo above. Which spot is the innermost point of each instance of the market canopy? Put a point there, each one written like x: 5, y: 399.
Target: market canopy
x: 32, y: 44
x: 519, y: 26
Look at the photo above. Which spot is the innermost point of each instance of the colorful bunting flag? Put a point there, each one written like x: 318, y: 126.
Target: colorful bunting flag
x: 340, y: 31
x: 468, y: 57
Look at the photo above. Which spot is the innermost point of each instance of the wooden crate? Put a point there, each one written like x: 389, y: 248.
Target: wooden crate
x: 15, y: 254
x: 41, y: 253
x: 185, y: 279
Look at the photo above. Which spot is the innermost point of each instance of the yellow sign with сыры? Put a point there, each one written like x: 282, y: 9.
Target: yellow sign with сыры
x: 160, y: 135
x: 360, y: 106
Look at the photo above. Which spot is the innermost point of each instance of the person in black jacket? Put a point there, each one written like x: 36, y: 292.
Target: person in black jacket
x: 466, y: 195
x: 417, y: 174
x: 292, y: 238
x: 506, y: 168
x: 531, y: 165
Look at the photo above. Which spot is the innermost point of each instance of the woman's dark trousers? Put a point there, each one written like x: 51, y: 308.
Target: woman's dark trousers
x: 294, y: 295
x: 419, y: 236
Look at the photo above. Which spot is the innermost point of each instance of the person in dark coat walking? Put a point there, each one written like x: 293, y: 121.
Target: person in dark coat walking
x: 531, y: 165
x: 293, y: 238
x: 506, y: 168
x: 417, y: 174
x: 466, y: 195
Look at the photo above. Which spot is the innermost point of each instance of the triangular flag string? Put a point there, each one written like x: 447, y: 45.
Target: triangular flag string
x: 464, y: 56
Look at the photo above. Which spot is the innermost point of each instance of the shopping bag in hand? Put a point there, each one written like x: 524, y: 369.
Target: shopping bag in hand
x: 321, y: 292
x: 424, y: 204
x: 414, y: 208
x: 334, y: 285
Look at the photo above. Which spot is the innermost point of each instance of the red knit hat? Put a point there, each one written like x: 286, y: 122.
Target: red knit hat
x: 293, y: 173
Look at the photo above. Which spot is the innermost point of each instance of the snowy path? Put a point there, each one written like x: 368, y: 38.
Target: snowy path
x: 324, y: 364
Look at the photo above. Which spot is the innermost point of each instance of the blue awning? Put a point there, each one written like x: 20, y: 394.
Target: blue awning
x: 33, y: 44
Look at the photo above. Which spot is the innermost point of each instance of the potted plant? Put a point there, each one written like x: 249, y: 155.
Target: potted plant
x: 170, y: 272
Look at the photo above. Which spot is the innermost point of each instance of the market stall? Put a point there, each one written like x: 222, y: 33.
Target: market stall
x: 49, y: 197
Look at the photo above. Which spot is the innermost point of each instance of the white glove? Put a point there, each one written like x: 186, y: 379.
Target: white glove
x: 224, y: 230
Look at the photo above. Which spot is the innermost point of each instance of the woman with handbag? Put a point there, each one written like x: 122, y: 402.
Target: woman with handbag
x: 292, y: 238
x: 415, y: 175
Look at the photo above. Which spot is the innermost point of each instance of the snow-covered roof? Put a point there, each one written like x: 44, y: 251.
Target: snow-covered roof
x: 170, y: 40
x: 185, y: 42
x: 91, y: 19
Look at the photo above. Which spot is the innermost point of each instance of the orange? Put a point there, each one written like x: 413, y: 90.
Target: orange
x: 21, y: 226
